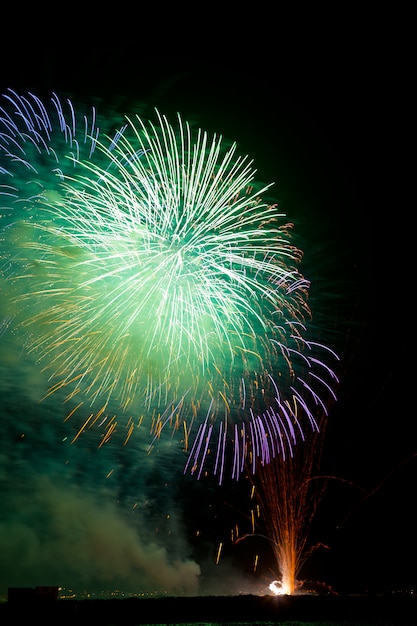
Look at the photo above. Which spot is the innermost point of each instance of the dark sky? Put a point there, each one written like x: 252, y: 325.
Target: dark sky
x: 323, y: 125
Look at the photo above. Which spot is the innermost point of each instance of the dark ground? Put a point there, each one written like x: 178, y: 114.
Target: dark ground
x: 388, y: 610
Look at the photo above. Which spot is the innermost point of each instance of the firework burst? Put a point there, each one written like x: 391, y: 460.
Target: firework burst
x: 159, y: 287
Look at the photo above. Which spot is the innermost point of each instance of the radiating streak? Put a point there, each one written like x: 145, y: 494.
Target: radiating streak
x: 153, y: 277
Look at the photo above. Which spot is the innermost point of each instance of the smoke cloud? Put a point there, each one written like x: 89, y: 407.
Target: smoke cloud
x: 57, y: 534
x: 75, y: 515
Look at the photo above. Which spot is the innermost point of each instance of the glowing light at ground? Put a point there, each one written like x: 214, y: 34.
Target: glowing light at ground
x: 278, y: 588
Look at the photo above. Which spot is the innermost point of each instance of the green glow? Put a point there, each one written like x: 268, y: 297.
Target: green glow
x: 165, y: 267
x: 158, y: 285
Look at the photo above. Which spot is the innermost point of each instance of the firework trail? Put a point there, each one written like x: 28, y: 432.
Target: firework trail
x: 288, y: 494
x: 158, y: 285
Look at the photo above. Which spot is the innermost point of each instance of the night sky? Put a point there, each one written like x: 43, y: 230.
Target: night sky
x: 322, y: 128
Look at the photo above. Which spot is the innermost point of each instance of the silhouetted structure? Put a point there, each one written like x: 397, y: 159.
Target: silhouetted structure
x: 32, y: 594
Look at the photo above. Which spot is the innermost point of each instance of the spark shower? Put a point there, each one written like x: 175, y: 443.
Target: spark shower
x: 157, y: 284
